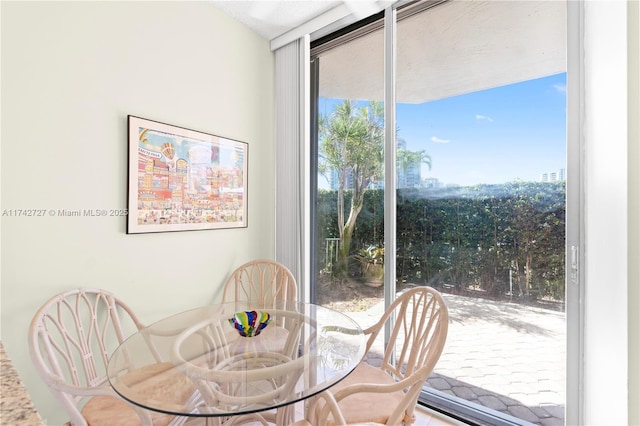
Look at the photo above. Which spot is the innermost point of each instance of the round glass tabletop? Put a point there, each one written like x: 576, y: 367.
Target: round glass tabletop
x: 236, y: 358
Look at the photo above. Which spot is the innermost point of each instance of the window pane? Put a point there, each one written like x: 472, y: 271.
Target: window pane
x: 350, y: 231
x: 481, y: 114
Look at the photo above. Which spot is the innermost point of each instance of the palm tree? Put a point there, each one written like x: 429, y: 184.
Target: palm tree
x: 408, y: 159
x: 351, y: 142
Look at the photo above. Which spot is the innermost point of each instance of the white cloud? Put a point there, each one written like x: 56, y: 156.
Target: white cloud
x: 560, y: 88
x: 483, y: 117
x: 438, y: 140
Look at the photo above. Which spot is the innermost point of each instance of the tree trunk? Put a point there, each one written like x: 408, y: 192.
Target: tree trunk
x: 346, y: 233
x: 528, y: 274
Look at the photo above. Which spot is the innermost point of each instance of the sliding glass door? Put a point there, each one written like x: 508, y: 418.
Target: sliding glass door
x: 480, y: 160
x: 481, y: 117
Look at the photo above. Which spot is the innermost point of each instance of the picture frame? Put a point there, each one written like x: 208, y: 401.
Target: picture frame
x: 184, y: 180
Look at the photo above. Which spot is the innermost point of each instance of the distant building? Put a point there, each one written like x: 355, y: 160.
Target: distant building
x: 409, y: 178
x: 431, y: 183
x: 558, y: 176
x: 334, y: 181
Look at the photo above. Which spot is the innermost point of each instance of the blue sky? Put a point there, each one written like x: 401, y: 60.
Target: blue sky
x: 491, y: 136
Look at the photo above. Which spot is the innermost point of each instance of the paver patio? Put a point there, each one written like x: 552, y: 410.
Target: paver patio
x: 503, y: 356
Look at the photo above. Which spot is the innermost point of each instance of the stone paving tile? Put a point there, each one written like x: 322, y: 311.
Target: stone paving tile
x: 554, y: 410
x: 540, y: 412
x: 492, y: 402
x: 549, y: 397
x: 509, y: 401
x: 552, y: 421
x: 538, y: 415
x: 517, y: 396
x: 440, y: 384
x: 464, y: 392
x: 524, y: 413
x: 483, y: 392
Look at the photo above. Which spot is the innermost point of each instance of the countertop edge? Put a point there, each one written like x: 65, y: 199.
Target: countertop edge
x: 16, y: 406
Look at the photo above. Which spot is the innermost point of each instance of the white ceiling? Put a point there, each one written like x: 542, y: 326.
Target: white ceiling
x: 271, y: 18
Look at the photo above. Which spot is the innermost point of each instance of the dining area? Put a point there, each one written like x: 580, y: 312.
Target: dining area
x: 73, y: 71
x: 258, y: 356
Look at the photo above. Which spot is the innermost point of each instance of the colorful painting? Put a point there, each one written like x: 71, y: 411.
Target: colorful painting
x: 181, y: 179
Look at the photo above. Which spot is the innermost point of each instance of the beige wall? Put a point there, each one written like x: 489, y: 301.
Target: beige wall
x: 71, y: 72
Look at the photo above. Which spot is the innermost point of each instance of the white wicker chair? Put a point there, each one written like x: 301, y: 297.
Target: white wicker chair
x: 388, y: 394
x: 331, y: 407
x: 70, y: 340
x: 268, y: 284
x: 264, y: 281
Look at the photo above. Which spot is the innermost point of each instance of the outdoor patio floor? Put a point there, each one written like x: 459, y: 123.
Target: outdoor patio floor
x: 503, y: 356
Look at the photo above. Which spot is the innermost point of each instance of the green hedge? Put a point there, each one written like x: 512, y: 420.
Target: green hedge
x: 485, y: 237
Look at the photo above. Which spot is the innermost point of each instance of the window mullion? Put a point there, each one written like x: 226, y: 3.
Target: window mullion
x: 389, y: 156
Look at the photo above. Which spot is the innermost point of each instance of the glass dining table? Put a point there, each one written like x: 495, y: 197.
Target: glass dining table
x: 229, y: 360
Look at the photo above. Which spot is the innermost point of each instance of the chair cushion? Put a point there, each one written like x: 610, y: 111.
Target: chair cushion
x: 361, y: 407
x: 154, y: 381
x: 111, y: 411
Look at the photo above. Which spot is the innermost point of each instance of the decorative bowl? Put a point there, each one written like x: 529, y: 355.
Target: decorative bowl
x: 250, y: 323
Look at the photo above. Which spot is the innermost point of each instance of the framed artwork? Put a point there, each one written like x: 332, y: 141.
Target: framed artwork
x: 184, y: 180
